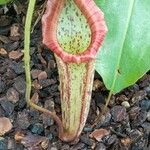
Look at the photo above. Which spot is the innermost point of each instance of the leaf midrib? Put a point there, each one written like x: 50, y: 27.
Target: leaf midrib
x: 122, y: 45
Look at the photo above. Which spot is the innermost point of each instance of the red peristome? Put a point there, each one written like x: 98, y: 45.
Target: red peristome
x: 95, y: 20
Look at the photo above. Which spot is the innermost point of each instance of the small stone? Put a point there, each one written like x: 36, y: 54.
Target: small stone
x: 32, y: 50
x: 5, y: 125
x: 134, y: 112
x: 50, y: 136
x: 3, y: 52
x: 14, y: 30
x: 100, y: 146
x: 42, y: 75
x: 148, y: 116
x: 30, y: 141
x: 7, y: 106
x: 20, y: 84
x: 11, y: 144
x: 47, y: 120
x: 15, y: 55
x: 2, y: 113
x: 121, y: 98
x: 35, y: 98
x: 36, y: 85
x: 98, y: 134
x: 112, y: 139
x: 44, y: 144
x: 18, y: 67
x: 126, y: 141
x: 118, y: 113
x: 2, y: 86
x: 145, y: 105
x: 53, y: 148
x: 12, y: 95
x: 125, y: 104
x: 51, y: 64
x: 12, y: 46
x: 105, y: 120
x: 140, y: 118
x: 3, y: 144
x: 86, y: 140
x: 4, y: 39
x: 138, y: 96
x: 23, y: 120
x: 78, y: 146
x: 47, y: 82
x: 35, y: 73
x: 135, y: 135
x: 65, y: 147
x: 147, y: 89
x: 87, y: 129
x: 19, y: 136
x: 37, y: 128
x: 146, y: 126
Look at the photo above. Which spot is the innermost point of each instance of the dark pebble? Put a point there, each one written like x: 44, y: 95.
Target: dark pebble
x: 148, y: 91
x: 10, y: 74
x: 1, y: 112
x: 18, y: 67
x: 3, y: 144
x: 138, y: 96
x: 21, y: 104
x: 78, y: 146
x: 139, y: 145
x: 37, y: 128
x: 105, y: 120
x: 134, y: 112
x: 146, y: 127
x: 20, y: 84
x: 7, y: 106
x: 111, y: 139
x: 50, y: 136
x: 32, y: 50
x: 65, y: 147
x: 100, y: 146
x: 11, y: 46
x: 2, y: 86
x: 86, y: 140
x: 46, y: 82
x: 19, y: 147
x: 140, y: 119
x: 145, y: 105
x: 34, y: 114
x: 51, y: 64
x: 135, y: 135
x: 99, y: 99
x: 23, y: 120
x: 118, y: 113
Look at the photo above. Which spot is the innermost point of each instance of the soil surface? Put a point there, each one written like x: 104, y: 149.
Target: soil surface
x: 125, y: 126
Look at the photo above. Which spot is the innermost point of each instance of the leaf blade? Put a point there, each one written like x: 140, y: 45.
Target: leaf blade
x: 123, y: 69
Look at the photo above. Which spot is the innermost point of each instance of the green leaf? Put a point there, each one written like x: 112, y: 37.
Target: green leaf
x: 2, y: 2
x: 125, y: 54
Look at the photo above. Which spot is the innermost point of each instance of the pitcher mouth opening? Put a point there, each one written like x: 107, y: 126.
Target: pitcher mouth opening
x: 95, y: 20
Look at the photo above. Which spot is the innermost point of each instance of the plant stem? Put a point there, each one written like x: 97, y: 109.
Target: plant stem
x: 27, y: 48
x: 27, y: 66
